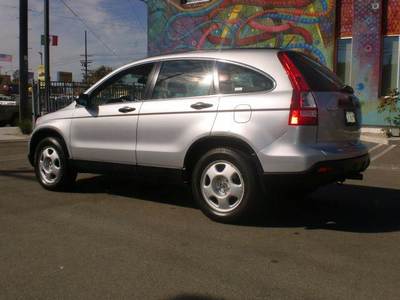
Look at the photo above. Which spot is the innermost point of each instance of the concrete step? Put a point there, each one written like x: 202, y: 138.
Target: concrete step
x: 12, y: 134
x: 379, y: 138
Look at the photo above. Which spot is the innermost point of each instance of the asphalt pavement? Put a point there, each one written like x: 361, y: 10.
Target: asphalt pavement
x: 116, y: 238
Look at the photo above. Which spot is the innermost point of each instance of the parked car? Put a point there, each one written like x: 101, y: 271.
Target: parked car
x: 9, y: 111
x: 238, y: 125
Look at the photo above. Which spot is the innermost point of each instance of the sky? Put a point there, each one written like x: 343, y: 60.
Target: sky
x: 117, y: 33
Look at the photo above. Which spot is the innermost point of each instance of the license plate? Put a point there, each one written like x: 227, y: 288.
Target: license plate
x: 350, y: 118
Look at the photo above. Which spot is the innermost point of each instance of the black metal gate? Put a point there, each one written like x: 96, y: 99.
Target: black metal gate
x: 61, y: 95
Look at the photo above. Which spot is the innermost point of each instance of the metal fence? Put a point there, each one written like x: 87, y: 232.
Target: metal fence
x: 61, y: 95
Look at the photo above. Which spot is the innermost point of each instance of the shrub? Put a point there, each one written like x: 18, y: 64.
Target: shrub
x: 25, y: 126
x: 390, y: 104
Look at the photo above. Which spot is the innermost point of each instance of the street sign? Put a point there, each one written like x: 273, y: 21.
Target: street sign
x: 40, y: 71
x: 53, y: 40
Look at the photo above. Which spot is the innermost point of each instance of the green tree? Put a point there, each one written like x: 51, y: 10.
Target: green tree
x: 98, y: 73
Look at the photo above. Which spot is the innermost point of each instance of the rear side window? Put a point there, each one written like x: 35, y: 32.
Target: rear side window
x: 184, y: 78
x: 318, y: 77
x: 234, y: 79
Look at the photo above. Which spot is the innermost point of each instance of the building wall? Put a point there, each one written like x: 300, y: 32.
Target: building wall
x: 306, y: 25
x: 303, y: 24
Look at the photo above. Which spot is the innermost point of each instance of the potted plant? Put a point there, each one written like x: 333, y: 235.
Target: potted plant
x: 390, y: 104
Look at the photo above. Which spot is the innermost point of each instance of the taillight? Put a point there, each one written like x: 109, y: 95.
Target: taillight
x: 303, y: 109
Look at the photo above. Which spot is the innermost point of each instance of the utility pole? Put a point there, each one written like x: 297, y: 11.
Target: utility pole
x: 47, y: 52
x: 41, y: 57
x: 23, y: 61
x: 85, y: 63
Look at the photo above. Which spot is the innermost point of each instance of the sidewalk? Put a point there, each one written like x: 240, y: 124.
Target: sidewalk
x: 12, y: 134
x: 379, y: 138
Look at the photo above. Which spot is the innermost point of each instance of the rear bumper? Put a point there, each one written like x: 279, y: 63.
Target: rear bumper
x: 322, y: 173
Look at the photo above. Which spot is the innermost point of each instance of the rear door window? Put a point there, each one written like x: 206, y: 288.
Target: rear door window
x: 234, y: 79
x: 318, y: 77
x: 184, y: 78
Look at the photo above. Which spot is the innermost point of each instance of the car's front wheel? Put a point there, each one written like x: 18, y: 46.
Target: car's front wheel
x: 51, y: 165
x: 225, y: 185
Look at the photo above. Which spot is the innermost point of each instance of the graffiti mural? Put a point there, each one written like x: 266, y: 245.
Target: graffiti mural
x: 367, y: 45
x: 307, y: 25
x: 393, y: 17
x: 346, y: 18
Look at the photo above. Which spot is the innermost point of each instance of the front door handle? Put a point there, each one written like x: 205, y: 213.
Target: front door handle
x: 126, y: 109
x: 201, y: 105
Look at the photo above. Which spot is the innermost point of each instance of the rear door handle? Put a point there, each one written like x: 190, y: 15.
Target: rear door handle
x: 201, y: 105
x: 126, y: 109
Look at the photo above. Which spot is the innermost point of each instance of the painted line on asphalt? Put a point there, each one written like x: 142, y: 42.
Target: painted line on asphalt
x: 375, y: 147
x: 383, y: 152
x: 384, y: 168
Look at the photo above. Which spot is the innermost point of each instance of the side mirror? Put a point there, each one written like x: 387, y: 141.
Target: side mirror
x: 348, y: 89
x: 83, y: 100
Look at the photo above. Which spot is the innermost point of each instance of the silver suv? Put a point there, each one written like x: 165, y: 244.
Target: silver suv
x: 238, y: 125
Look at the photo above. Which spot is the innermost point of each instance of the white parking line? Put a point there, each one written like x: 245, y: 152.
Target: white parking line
x: 375, y: 147
x: 383, y: 152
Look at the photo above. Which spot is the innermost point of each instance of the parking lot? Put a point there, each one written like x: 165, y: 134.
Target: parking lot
x: 116, y: 238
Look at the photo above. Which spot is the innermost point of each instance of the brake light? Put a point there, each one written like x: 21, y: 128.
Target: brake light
x: 303, y: 109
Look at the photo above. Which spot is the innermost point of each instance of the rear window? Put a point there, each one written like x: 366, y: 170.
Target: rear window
x: 318, y: 77
x: 234, y: 79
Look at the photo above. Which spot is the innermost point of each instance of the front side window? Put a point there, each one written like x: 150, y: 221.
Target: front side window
x: 184, y: 78
x: 127, y: 86
x: 234, y: 79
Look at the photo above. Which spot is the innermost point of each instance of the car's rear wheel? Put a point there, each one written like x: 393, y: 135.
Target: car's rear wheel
x: 225, y: 185
x: 51, y: 165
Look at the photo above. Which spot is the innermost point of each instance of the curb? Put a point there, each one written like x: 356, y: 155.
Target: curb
x: 17, y: 140
x: 374, y: 139
x: 379, y: 139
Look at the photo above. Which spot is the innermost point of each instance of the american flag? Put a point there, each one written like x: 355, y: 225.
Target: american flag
x: 5, y: 58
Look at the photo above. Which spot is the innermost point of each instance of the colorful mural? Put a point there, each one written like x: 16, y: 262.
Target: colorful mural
x: 308, y: 25
x: 346, y: 18
x: 367, y: 45
x: 393, y: 17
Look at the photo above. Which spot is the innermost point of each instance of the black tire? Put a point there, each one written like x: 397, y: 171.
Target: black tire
x: 66, y: 174
x: 245, y: 173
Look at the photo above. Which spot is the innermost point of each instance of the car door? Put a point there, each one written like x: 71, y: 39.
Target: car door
x: 181, y: 109
x: 105, y: 131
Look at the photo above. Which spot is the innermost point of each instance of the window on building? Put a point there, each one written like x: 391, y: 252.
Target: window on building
x: 390, y: 64
x: 234, y: 79
x: 184, y: 78
x: 343, y: 67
